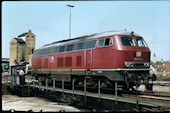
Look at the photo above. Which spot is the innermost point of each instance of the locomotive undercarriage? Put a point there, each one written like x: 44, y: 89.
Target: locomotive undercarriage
x: 126, y: 80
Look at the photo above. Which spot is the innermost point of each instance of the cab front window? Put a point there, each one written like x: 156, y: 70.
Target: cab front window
x: 128, y: 41
x: 141, y: 42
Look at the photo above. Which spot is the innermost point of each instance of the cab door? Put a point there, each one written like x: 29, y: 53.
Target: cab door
x: 35, y: 62
x: 89, y: 59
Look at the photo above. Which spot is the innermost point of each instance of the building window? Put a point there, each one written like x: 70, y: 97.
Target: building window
x: 32, y: 51
x: 13, y: 43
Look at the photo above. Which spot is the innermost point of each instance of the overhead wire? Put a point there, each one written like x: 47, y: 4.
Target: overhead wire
x: 159, y: 42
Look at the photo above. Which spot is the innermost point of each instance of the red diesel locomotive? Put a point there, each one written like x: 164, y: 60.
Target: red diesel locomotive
x: 120, y: 56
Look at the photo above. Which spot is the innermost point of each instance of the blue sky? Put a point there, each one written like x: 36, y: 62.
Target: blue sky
x: 49, y: 21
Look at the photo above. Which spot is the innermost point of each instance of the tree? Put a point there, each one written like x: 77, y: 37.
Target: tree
x: 157, y: 63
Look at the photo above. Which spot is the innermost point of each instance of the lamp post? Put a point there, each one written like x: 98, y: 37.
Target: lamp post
x: 71, y: 6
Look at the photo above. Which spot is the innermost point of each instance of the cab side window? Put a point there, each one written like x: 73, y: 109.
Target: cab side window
x: 105, y: 42
x: 101, y: 43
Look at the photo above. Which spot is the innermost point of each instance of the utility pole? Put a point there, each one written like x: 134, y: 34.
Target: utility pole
x: 71, y: 6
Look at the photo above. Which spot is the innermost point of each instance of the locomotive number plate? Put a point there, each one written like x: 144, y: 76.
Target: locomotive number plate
x: 138, y: 54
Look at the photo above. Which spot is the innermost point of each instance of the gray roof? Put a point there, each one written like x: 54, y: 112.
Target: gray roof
x: 19, y: 40
x: 23, y: 34
x: 5, y: 59
x: 93, y: 36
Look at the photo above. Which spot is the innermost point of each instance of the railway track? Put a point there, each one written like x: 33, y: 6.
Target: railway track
x: 152, y: 96
x: 149, y: 97
x: 124, y: 93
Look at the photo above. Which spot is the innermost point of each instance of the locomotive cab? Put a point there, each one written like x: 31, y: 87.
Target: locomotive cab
x: 134, y: 59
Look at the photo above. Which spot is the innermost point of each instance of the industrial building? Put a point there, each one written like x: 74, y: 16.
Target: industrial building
x: 22, y: 48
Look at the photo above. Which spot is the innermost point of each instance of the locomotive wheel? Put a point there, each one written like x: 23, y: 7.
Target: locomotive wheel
x: 149, y: 86
x: 126, y: 86
x: 103, y: 85
x: 132, y: 78
x: 80, y: 83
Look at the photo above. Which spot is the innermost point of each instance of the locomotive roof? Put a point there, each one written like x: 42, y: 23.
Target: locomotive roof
x: 93, y: 36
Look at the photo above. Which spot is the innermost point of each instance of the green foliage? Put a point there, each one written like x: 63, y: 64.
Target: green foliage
x: 157, y: 63
x: 161, y: 73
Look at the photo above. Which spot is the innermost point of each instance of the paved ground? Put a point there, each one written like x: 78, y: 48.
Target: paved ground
x: 35, y: 103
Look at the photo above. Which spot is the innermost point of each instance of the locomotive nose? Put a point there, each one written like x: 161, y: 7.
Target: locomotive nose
x: 137, y: 58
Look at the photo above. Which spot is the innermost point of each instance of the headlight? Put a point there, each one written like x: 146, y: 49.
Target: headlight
x: 131, y: 65
x: 128, y: 64
x: 146, y: 64
x: 137, y: 64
